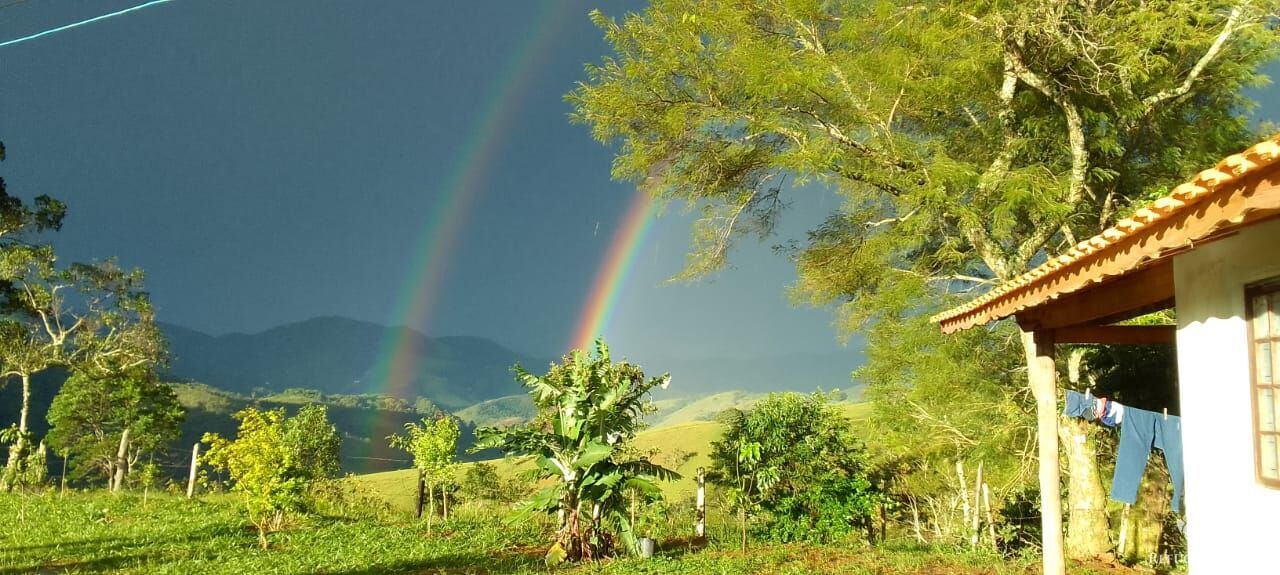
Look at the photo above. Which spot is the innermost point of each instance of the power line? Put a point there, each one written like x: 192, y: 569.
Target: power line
x: 82, y: 22
x: 13, y: 3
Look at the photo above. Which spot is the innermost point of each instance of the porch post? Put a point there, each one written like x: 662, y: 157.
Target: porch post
x: 1043, y: 376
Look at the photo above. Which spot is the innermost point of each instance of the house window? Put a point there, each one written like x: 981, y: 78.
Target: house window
x: 1264, y: 344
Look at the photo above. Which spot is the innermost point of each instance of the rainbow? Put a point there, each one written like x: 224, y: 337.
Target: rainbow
x: 602, y: 300
x: 396, y: 365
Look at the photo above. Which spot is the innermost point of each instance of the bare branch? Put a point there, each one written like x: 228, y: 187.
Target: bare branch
x: 1229, y: 28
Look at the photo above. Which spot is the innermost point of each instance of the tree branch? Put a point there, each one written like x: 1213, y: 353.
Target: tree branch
x: 1229, y: 28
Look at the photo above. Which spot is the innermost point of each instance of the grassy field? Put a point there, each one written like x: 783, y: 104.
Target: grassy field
x: 98, y: 532
x: 690, y: 437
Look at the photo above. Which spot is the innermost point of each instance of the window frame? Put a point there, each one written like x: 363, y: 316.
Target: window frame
x: 1269, y: 288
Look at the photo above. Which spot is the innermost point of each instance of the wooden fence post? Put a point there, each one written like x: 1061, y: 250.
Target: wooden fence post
x: 121, y: 461
x: 991, y: 523
x: 418, y: 499
x: 62, y: 492
x: 1121, y: 551
x: 195, y: 462
x: 977, y: 505
x: 964, y: 496
x: 700, y: 529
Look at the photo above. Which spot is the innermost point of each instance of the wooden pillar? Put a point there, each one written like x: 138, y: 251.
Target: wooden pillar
x: 700, y: 529
x: 1043, y: 376
x: 191, y: 478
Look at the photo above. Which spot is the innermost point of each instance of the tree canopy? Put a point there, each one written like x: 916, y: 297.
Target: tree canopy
x: 968, y: 140
x: 89, y: 414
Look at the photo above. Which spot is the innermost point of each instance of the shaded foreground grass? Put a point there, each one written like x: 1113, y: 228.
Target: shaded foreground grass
x: 98, y: 532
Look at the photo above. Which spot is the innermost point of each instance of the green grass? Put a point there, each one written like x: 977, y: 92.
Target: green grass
x: 97, y: 532
x: 691, y: 437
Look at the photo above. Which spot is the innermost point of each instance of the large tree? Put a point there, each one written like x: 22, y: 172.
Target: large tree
x: 967, y: 138
x: 91, y: 317
x: 89, y: 415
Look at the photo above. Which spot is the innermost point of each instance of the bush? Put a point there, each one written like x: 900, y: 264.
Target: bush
x: 274, y: 461
x: 794, y: 458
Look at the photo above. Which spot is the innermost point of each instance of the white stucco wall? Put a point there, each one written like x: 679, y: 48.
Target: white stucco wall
x: 1231, y: 518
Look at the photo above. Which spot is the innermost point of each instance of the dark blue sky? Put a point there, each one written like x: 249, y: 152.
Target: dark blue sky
x: 267, y: 162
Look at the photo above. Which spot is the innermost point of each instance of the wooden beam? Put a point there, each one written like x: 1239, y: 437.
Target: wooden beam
x: 1125, y: 297
x: 1117, y: 334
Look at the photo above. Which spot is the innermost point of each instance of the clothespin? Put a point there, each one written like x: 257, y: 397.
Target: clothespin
x: 1166, y: 414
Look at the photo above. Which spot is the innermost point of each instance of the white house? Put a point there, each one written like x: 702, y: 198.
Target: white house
x: 1210, y: 250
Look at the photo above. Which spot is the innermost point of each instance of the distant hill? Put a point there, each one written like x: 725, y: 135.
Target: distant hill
x: 701, y: 408
x: 363, y: 422
x: 515, y: 409
x: 503, y: 411
x: 339, y: 355
x: 803, y: 372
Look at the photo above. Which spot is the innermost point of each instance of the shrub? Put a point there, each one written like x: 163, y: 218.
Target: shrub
x: 274, y: 460
x: 794, y: 458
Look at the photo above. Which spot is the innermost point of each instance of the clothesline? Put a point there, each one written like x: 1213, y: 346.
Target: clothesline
x: 1140, y: 431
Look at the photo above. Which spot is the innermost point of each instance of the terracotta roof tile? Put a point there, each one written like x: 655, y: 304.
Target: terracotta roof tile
x: 1179, y: 199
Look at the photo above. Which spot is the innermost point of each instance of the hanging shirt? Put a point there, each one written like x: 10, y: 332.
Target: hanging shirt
x: 1078, y: 405
x: 1114, y: 414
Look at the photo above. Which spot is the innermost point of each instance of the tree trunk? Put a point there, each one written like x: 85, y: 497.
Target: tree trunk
x: 26, y: 405
x: 1087, y: 527
x: 1043, y: 375
x: 1146, y: 519
x: 431, y: 504
x: 122, y: 464
x: 18, y: 451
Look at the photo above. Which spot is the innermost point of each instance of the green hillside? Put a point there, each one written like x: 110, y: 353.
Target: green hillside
x: 689, y: 437
x: 364, y: 421
x: 701, y: 408
x: 514, y: 409
x: 502, y: 411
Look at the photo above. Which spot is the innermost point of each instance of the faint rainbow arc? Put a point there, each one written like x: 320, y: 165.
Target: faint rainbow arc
x: 396, y: 363
x: 612, y: 276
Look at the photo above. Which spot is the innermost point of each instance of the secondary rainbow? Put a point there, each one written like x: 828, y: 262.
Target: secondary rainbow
x: 610, y: 280
x: 397, y: 365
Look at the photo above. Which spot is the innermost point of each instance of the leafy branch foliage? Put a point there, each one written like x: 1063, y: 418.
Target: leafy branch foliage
x: 796, y: 458
x: 589, y: 409
x: 89, y: 414
x: 274, y: 460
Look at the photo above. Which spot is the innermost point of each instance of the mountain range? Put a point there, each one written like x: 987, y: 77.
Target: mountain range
x: 338, y: 355
x: 341, y: 356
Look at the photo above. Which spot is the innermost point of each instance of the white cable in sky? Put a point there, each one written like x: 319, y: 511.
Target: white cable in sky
x: 83, y: 22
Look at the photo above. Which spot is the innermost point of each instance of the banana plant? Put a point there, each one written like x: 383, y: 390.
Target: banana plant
x: 589, y: 408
